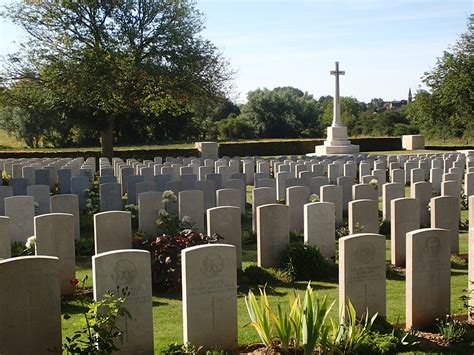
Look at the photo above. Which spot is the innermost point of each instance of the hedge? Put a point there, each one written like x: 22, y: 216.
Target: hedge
x: 265, y: 148
x: 450, y: 147
x: 300, y: 147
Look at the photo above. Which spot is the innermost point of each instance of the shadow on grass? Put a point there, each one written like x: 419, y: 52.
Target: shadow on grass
x: 73, y: 308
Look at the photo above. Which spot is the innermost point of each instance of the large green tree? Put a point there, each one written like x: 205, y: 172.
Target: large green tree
x: 447, y: 109
x: 99, y: 62
x: 282, y: 112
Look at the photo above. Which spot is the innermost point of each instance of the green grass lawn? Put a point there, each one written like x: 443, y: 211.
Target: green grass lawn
x: 167, y: 308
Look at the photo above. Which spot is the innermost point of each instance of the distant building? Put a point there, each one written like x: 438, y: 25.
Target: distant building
x: 397, y: 105
x: 394, y: 105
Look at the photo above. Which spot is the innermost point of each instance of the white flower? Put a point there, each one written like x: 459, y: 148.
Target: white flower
x: 314, y: 198
x: 169, y: 195
x: 373, y: 182
x: 163, y: 213
x: 30, y: 242
x: 186, y: 219
x: 89, y: 205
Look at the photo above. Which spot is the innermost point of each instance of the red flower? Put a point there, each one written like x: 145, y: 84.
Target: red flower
x: 74, y: 281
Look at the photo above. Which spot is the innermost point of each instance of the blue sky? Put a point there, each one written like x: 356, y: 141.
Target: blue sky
x: 384, y: 46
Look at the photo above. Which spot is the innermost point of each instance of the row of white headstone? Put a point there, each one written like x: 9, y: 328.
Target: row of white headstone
x: 31, y: 285
x: 366, y: 282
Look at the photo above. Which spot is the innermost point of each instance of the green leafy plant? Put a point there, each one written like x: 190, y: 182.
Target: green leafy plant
x: 302, y: 326
x: 190, y: 349
x: 165, y: 253
x: 451, y: 329
x: 464, y: 201
x: 259, y: 314
x: 283, y: 327
x: 254, y: 275
x: 384, y: 227
x: 304, y: 262
x: 92, y: 202
x: 458, y: 262
x: 351, y: 333
x: 5, y: 178
x: 342, y: 231
x: 171, y: 224
x: 133, y: 209
x: 315, y: 326
x: 100, y: 335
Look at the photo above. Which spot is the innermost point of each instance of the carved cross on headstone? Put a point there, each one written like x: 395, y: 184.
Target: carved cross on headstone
x: 336, y: 121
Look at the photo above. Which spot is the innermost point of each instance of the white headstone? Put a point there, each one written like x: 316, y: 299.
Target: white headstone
x: 209, y: 277
x: 128, y: 269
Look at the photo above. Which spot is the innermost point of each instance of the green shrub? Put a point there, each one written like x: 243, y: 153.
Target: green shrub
x: 458, y: 262
x: 342, y: 231
x: 85, y: 246
x: 384, y: 227
x: 303, y: 262
x: 249, y: 237
x: 352, y: 332
x: 254, y: 275
x: 451, y: 329
x: 377, y: 343
x: 236, y: 127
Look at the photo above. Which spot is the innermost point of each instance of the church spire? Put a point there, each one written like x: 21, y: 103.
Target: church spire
x: 410, y: 98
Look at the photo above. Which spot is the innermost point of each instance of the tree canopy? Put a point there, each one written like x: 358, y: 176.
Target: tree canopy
x: 98, y: 64
x: 447, y: 109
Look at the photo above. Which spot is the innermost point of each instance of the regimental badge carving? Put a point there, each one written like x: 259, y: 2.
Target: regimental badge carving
x: 212, y: 265
x: 365, y: 252
x: 432, y: 246
x: 124, y: 272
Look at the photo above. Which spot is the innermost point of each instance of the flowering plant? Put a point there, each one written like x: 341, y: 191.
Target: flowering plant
x: 374, y: 183
x: 171, y: 224
x: 165, y: 253
x: 100, y: 334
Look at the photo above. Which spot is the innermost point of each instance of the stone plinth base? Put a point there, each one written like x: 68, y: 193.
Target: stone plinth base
x: 413, y: 142
x: 207, y: 150
x: 334, y: 149
x: 337, y: 142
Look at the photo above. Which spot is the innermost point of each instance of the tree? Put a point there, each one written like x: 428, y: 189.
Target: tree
x: 283, y: 112
x: 98, y: 62
x: 350, y: 111
x: 449, y: 108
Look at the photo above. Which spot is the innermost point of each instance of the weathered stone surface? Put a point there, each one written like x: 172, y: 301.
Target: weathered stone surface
x: 226, y: 222
x: 67, y: 203
x: 320, y: 227
x: 209, y: 278
x: 5, y: 240
x: 273, y: 233
x: 445, y: 215
x: 296, y: 198
x: 55, y: 237
x: 30, y: 305
x: 405, y: 217
x: 112, y: 231
x: 362, y: 273
x: 131, y: 270
x: 363, y: 216
x: 21, y: 211
x: 428, y: 277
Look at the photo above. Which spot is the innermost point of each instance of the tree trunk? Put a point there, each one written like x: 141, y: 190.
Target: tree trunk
x: 107, y: 139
